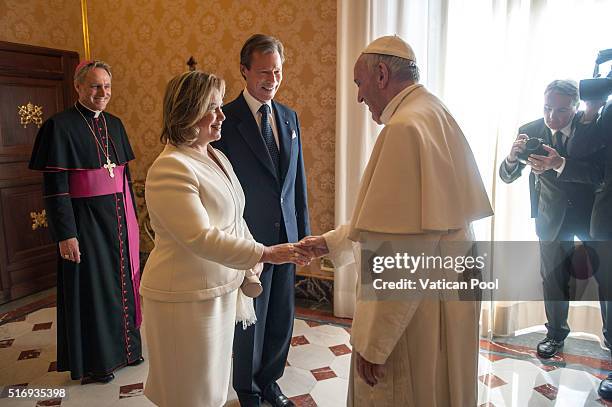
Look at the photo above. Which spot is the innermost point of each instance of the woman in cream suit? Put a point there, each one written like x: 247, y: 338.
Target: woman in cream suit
x: 202, y: 247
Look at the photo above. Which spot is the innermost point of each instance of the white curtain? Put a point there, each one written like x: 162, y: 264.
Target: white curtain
x: 360, y: 22
x: 489, y: 61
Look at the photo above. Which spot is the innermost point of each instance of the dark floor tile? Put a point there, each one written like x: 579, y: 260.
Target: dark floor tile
x: 547, y: 390
x: 42, y: 327
x: 299, y: 340
x: 340, y: 350
x: 305, y: 400
x: 29, y: 354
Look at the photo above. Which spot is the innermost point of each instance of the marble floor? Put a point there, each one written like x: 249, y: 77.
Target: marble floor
x: 316, y: 372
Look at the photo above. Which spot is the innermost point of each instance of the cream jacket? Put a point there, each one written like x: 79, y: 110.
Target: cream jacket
x: 202, y: 242
x: 422, y: 175
x: 421, y: 183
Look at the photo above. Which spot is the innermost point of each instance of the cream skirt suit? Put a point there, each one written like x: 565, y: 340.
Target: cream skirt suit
x: 190, y: 282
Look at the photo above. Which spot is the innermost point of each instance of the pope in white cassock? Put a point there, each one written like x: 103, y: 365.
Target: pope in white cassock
x: 421, y: 184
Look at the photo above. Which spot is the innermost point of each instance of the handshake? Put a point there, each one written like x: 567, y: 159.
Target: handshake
x: 300, y: 253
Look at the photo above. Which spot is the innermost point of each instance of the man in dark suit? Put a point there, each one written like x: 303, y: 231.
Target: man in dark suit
x: 261, y: 138
x: 601, y: 230
x: 562, y: 209
x: 597, y: 170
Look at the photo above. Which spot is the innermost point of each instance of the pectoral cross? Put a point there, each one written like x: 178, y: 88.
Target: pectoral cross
x: 110, y: 167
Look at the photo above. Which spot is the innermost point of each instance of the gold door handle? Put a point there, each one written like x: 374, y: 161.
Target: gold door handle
x: 30, y: 113
x: 39, y: 219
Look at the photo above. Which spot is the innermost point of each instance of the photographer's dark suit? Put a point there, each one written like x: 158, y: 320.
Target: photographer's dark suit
x: 601, y: 220
x: 598, y: 171
x: 276, y: 211
x: 601, y: 229
x: 561, y: 210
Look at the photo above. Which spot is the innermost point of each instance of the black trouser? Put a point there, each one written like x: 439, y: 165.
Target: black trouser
x: 603, y: 274
x: 260, y: 351
x: 555, y: 268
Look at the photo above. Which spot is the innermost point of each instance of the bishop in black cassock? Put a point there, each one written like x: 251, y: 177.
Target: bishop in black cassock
x: 84, y: 154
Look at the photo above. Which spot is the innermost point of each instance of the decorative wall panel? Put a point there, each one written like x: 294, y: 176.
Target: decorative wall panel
x: 149, y: 41
x: 48, y: 23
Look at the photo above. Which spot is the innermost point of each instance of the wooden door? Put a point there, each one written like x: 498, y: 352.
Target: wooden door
x: 35, y: 83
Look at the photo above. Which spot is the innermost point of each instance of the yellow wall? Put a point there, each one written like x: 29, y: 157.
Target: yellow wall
x: 148, y: 41
x: 48, y: 23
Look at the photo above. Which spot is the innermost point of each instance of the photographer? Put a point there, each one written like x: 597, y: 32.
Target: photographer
x: 562, y: 209
x: 601, y: 230
x: 598, y: 171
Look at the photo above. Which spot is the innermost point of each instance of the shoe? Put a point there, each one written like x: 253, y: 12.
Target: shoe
x: 280, y: 400
x: 107, y: 378
x: 136, y: 362
x: 549, y: 348
x: 605, y: 388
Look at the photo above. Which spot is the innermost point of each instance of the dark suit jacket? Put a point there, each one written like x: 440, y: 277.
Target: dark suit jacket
x: 270, y: 201
x: 551, y: 196
x: 601, y: 218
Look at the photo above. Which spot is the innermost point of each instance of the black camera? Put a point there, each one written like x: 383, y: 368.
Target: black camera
x: 533, y: 145
x: 597, y: 88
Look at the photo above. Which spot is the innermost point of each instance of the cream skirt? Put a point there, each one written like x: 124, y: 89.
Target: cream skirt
x: 190, y: 351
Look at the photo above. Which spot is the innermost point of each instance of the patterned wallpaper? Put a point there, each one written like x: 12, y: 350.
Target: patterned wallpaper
x: 148, y: 41
x: 49, y: 23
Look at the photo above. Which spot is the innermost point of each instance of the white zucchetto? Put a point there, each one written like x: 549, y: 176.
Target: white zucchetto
x: 390, y: 45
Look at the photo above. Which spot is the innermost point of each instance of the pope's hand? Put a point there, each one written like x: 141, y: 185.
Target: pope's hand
x: 369, y: 372
x: 314, y: 245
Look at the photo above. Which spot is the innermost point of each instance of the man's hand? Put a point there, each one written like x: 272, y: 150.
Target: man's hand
x: 369, y: 372
x: 517, y: 147
x: 69, y: 250
x: 314, y: 245
x: 541, y: 163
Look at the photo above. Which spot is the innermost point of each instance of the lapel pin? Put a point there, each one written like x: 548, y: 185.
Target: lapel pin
x: 293, y: 135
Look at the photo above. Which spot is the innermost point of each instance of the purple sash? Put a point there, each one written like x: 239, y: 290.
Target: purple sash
x: 88, y: 183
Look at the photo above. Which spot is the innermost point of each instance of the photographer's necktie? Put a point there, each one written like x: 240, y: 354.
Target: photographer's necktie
x: 560, y: 143
x: 268, y: 136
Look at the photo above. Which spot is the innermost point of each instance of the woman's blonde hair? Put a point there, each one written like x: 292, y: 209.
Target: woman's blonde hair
x: 186, y: 101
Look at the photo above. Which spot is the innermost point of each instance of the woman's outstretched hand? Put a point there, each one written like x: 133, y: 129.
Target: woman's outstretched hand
x: 285, y: 253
